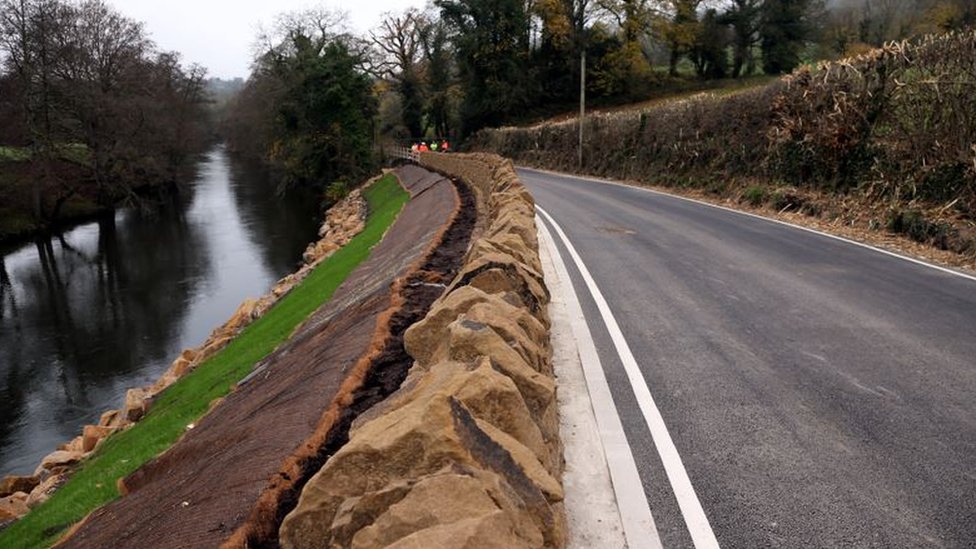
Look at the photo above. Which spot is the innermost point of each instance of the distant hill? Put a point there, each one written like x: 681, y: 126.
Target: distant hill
x: 222, y: 90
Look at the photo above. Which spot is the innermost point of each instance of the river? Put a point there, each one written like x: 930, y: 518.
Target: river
x: 107, y: 305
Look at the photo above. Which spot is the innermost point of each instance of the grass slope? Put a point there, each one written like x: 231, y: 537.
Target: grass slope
x: 94, y: 484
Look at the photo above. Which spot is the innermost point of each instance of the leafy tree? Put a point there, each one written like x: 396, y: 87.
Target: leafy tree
x: 308, y: 107
x: 629, y: 72
x: 680, y: 31
x: 323, y: 130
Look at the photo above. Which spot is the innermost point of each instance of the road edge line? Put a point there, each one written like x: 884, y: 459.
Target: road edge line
x: 846, y: 240
x: 691, y: 510
x: 636, y: 518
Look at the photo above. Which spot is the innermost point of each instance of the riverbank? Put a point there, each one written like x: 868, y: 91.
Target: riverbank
x: 69, y: 194
x: 17, y: 219
x: 179, y: 406
x: 107, y: 305
x: 287, y: 416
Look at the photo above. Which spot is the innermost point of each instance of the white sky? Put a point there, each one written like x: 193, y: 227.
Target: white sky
x: 218, y: 34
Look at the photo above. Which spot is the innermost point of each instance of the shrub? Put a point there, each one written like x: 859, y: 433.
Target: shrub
x: 754, y: 196
x: 914, y: 224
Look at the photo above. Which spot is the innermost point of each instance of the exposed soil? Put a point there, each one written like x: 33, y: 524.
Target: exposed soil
x: 232, y: 478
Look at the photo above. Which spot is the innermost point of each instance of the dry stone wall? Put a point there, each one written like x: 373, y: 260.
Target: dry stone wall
x: 467, y: 452
x: 18, y: 494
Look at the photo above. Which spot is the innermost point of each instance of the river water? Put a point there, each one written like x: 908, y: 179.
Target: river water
x: 109, y: 304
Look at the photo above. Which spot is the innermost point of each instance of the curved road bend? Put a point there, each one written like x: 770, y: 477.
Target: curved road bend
x: 819, y: 393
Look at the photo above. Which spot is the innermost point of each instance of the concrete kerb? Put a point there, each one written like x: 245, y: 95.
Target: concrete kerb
x: 593, y: 517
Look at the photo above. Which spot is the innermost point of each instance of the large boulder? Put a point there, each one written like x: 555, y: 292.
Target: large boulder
x: 111, y: 418
x: 477, y: 516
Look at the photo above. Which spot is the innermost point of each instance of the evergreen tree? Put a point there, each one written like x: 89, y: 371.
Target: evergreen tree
x: 784, y: 31
x: 743, y: 17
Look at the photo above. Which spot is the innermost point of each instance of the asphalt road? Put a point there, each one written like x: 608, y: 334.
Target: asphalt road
x: 820, y: 394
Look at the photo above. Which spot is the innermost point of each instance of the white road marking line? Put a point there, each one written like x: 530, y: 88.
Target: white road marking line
x: 691, y: 509
x: 757, y: 216
x: 635, y: 513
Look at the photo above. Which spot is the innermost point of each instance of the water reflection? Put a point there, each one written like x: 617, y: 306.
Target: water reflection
x: 283, y: 236
x: 106, y: 306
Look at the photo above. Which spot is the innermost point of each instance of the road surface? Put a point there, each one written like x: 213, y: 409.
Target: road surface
x: 817, y: 393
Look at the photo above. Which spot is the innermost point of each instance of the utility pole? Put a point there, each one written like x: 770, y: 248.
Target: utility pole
x: 582, y: 114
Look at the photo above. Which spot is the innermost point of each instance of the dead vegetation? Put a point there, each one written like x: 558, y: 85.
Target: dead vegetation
x: 882, y: 141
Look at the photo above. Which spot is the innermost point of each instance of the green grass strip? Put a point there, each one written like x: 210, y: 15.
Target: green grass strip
x: 94, y: 484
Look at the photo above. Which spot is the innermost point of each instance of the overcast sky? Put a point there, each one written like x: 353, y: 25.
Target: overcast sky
x: 218, y: 34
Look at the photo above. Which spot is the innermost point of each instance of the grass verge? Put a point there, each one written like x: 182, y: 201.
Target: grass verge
x: 94, y: 484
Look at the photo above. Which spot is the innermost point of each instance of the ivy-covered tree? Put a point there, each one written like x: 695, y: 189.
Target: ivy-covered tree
x: 440, y: 77
x: 310, y: 99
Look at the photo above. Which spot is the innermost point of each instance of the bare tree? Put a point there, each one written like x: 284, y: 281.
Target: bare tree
x: 399, y: 45
x: 26, y: 29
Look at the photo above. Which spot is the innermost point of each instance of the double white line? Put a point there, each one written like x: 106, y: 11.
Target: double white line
x: 638, y: 523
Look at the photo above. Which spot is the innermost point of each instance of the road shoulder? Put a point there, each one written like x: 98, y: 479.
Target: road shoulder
x: 884, y: 242
x: 591, y: 507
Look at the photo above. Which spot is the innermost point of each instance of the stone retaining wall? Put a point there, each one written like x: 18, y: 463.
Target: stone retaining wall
x: 18, y: 494
x: 467, y: 452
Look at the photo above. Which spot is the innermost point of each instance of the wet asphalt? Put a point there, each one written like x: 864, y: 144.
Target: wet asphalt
x: 820, y: 394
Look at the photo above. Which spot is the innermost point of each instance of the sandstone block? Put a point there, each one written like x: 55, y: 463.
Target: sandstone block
x: 13, y: 507
x: 502, y: 273
x: 110, y: 418
x: 493, y: 398
x: 43, y: 491
x: 214, y: 346
x: 518, y: 329
x: 422, y: 519
x: 13, y: 483
x: 470, y: 340
x: 241, y: 317
x: 61, y: 458
x: 91, y: 435
x: 425, y: 338
x: 135, y: 404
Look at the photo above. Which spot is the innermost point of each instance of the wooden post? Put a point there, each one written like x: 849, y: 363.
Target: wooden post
x: 582, y: 113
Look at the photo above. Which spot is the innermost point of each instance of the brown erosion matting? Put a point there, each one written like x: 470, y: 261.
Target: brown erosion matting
x: 233, y: 477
